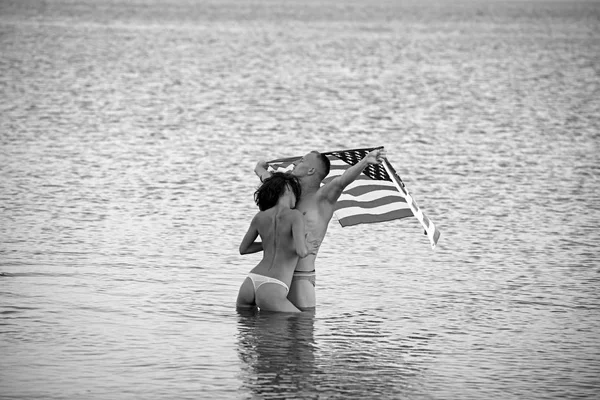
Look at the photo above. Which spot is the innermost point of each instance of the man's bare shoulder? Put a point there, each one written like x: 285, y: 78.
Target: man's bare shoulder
x: 329, y: 191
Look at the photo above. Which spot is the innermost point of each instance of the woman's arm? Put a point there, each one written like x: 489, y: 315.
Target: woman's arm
x: 248, y: 244
x: 254, y: 247
x: 298, y: 232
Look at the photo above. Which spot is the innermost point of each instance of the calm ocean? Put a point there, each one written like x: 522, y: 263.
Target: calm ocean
x: 129, y: 131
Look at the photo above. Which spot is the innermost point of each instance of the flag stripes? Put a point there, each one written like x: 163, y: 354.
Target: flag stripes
x: 366, y: 200
x: 365, y: 189
x: 365, y: 203
x: 430, y: 230
x: 366, y: 218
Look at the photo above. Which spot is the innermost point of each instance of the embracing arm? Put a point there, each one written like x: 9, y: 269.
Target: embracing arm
x: 248, y: 244
x: 303, y: 247
x: 254, y: 247
x: 334, y: 189
x: 298, y: 232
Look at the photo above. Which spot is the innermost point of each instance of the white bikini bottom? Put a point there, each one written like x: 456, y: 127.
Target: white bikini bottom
x: 258, y: 280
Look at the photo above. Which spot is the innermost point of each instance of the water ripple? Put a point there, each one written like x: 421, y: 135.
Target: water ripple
x: 128, y: 136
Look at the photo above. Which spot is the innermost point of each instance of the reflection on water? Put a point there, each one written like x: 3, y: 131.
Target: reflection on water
x: 278, y: 354
x: 353, y: 356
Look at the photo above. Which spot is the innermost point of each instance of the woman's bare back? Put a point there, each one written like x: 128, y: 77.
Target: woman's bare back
x: 275, y: 227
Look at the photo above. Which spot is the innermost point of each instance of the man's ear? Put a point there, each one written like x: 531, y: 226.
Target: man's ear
x: 311, y: 171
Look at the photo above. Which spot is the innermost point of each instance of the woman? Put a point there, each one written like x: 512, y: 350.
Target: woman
x: 281, y: 229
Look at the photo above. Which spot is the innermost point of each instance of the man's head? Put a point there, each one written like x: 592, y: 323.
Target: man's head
x: 313, y: 164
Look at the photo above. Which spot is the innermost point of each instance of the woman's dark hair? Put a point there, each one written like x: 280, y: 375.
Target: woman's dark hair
x: 267, y: 195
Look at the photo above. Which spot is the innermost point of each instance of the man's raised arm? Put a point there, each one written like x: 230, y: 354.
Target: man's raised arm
x: 261, y: 170
x: 334, y: 189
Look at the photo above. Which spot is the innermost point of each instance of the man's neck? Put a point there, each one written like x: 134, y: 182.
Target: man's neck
x: 309, y: 186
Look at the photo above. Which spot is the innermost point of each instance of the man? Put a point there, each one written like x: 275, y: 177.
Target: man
x: 317, y: 203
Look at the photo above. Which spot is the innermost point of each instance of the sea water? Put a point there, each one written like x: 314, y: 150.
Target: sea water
x: 128, y: 136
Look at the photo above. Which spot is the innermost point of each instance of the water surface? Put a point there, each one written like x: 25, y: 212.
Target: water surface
x: 128, y: 136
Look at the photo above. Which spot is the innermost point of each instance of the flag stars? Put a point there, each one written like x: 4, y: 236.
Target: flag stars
x: 376, y: 172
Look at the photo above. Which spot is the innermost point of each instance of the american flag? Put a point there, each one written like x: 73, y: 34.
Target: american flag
x: 377, y: 195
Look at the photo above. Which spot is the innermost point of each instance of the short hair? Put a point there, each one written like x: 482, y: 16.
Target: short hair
x: 324, y: 162
x: 267, y: 195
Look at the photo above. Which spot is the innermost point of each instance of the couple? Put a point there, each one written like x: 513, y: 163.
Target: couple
x: 295, y: 211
